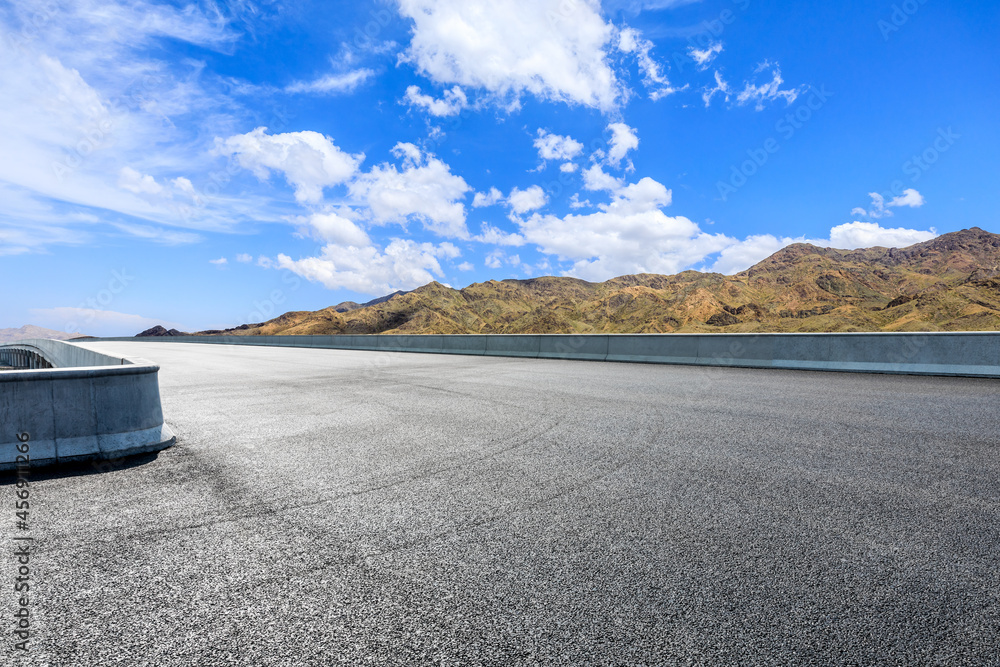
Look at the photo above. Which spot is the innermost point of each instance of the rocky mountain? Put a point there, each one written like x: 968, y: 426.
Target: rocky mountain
x: 31, y: 331
x: 951, y: 283
x: 159, y: 331
x: 348, y: 306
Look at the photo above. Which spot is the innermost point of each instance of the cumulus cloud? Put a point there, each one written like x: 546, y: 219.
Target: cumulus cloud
x: 494, y: 236
x: 244, y: 258
x: 551, y: 49
x: 910, y: 197
x: 337, y: 229
x: 630, y: 234
x: 556, y: 147
x: 623, y: 140
x: 869, y: 234
x: 309, y: 160
x: 483, y: 199
x: 402, y: 265
x: 596, y: 179
x: 531, y: 199
x: 222, y: 261
x: 332, y: 84
x: 425, y: 190
x: 451, y: 103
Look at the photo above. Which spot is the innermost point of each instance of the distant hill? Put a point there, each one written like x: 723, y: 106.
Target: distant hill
x: 31, y: 331
x: 951, y: 283
x: 348, y: 306
x: 159, y: 331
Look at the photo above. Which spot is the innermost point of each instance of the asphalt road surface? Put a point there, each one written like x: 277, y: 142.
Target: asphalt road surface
x: 329, y: 507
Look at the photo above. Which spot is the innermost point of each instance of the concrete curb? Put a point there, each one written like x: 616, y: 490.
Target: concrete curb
x: 89, y: 407
x: 965, y: 354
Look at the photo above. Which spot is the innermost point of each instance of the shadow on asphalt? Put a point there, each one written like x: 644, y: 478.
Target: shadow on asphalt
x: 80, y: 468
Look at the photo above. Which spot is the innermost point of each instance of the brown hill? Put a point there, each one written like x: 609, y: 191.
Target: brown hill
x: 29, y: 331
x: 951, y: 283
x: 159, y: 331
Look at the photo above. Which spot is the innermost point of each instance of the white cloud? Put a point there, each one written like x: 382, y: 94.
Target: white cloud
x: 721, y: 86
x: 758, y: 94
x: 403, y: 265
x: 869, y: 234
x: 880, y: 207
x: 483, y: 199
x: 309, y: 160
x: 531, y: 199
x: 133, y: 181
x: 704, y: 57
x: 553, y: 49
x: 495, y: 236
x: 244, y: 258
x: 556, y: 147
x: 595, y: 178
x: 631, y: 42
x: 336, y: 229
x: 331, y: 84
x: 630, y: 234
x: 910, y: 197
x: 451, y: 103
x: 627, y: 236
x: 222, y: 261
x: 425, y: 190
x: 767, y: 92
x: 569, y: 167
x: 88, y: 93
x: 95, y: 322
x: 623, y: 140
x: 465, y: 266
x: 645, y: 195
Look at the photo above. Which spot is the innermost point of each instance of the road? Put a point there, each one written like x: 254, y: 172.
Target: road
x: 329, y: 507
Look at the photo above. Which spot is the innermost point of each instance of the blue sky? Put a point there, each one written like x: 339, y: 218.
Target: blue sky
x: 209, y: 164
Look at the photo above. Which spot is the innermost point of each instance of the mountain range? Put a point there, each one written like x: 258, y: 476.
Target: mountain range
x: 950, y: 283
x: 31, y: 331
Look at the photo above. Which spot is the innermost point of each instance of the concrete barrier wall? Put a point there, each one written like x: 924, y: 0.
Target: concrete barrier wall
x: 89, y: 407
x: 972, y: 354
x: 23, y: 357
x: 59, y: 354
